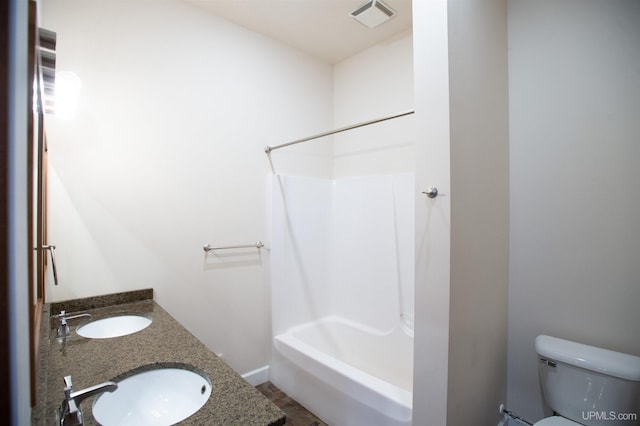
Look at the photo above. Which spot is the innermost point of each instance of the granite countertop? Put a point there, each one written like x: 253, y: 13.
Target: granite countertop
x: 164, y: 343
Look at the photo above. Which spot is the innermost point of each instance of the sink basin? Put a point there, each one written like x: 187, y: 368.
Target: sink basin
x: 120, y: 325
x: 163, y: 396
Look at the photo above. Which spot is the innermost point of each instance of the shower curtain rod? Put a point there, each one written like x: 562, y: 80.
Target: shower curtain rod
x: 268, y: 149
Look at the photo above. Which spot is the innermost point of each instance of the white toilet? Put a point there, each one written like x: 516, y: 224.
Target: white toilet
x: 585, y: 385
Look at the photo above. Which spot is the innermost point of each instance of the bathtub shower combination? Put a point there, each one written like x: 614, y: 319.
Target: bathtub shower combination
x: 342, y: 279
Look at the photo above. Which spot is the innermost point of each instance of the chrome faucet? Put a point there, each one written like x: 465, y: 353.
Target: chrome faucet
x: 69, y: 413
x: 63, y: 327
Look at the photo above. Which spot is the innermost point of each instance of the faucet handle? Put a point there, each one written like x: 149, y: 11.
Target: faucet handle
x: 68, y: 388
x: 68, y: 413
x: 63, y: 329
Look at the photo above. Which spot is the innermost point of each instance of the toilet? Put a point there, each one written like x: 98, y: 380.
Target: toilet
x: 586, y: 385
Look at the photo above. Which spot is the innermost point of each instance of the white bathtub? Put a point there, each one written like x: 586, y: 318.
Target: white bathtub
x: 345, y: 373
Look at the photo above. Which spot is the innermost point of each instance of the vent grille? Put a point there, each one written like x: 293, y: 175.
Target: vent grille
x: 373, y: 13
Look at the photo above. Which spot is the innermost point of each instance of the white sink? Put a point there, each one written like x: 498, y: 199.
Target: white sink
x: 163, y: 396
x: 120, y: 325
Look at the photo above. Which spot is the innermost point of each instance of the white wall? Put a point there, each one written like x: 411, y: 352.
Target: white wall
x: 343, y: 247
x: 574, y: 81
x: 166, y: 154
x: 375, y: 83
x: 373, y: 250
x: 479, y: 210
x: 301, y: 272
x: 431, y: 79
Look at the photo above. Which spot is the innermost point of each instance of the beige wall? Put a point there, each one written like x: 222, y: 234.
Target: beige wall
x: 574, y: 69
x: 479, y: 210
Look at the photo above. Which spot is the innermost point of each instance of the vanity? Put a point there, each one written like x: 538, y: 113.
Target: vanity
x: 163, y: 344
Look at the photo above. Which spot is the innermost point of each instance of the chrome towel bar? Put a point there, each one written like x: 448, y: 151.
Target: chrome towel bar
x: 257, y: 244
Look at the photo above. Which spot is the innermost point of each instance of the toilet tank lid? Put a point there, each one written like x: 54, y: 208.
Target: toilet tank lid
x: 592, y: 358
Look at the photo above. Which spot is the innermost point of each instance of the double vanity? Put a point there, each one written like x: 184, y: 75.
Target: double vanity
x: 164, y: 375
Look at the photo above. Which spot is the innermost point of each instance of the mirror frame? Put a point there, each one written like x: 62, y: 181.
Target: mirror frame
x: 36, y: 187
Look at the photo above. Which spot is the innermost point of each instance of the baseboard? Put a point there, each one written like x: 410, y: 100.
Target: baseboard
x: 258, y: 376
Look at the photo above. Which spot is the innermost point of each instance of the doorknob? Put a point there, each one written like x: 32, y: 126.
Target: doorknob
x: 432, y: 192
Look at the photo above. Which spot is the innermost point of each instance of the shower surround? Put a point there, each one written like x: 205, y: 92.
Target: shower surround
x: 342, y: 284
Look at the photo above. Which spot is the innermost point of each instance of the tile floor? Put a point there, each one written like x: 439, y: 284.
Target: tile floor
x: 297, y: 415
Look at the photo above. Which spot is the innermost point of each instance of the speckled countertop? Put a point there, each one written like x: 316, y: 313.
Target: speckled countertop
x: 165, y: 342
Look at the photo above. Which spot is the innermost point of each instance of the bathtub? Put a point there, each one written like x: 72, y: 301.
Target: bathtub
x: 346, y: 373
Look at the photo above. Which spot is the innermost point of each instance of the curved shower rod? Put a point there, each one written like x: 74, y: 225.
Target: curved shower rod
x: 268, y: 149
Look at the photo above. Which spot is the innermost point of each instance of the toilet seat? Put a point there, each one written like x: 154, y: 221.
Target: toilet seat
x: 556, y: 421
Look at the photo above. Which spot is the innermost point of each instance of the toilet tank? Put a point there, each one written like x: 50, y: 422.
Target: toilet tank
x: 589, y: 385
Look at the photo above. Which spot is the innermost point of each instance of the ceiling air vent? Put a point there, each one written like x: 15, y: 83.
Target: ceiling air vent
x: 373, y: 13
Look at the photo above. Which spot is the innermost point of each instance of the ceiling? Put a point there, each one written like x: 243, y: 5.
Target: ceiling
x: 322, y: 28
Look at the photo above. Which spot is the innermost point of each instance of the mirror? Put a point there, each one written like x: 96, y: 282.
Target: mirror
x: 180, y: 118
x: 166, y: 150
x: 41, y: 67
